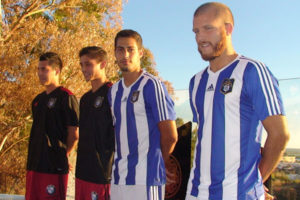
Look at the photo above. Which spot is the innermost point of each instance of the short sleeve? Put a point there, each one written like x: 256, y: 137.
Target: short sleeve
x: 159, y: 100
x: 263, y: 90
x: 109, y: 96
x: 71, y: 111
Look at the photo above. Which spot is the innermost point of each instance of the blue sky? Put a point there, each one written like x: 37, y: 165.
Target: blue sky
x: 265, y: 30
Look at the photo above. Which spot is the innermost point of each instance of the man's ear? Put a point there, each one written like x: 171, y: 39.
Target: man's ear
x: 141, y: 52
x: 57, y: 70
x: 228, y: 28
x: 103, y: 64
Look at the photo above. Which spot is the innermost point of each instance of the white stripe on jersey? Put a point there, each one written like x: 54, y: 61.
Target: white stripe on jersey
x: 272, y: 91
x: 154, y: 193
x: 193, y: 100
x: 124, y: 149
x: 206, y: 141
x: 141, y: 123
x: 142, y: 127
x: 232, y: 130
x: 196, y: 84
x: 113, y: 97
x: 140, y: 192
x: 236, y: 111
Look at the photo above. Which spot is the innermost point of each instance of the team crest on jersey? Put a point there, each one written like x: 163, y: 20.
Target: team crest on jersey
x: 227, y: 85
x: 50, y: 189
x: 98, y: 102
x: 135, y: 96
x: 94, y: 195
x: 51, y: 102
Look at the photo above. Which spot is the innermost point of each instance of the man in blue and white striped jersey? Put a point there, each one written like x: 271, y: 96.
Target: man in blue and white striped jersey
x: 145, y: 129
x: 232, y: 99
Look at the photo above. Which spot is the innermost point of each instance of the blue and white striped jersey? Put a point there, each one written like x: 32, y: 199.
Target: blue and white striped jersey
x: 228, y: 106
x: 136, y: 111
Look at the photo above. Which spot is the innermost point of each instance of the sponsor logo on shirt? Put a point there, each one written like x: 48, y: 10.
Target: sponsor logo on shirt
x: 51, y: 102
x: 210, y: 88
x: 94, y: 195
x: 135, y: 96
x: 98, y: 102
x: 227, y: 86
x: 50, y: 189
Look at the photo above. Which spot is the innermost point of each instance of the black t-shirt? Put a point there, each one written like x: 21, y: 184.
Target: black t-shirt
x: 96, y: 137
x: 52, y: 114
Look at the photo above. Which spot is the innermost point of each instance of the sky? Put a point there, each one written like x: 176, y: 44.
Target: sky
x: 265, y: 30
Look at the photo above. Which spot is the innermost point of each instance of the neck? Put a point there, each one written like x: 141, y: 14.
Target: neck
x: 51, y: 87
x: 98, y: 82
x: 131, y: 77
x: 223, y: 60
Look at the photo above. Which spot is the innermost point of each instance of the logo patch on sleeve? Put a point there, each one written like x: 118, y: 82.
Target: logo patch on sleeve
x: 227, y: 86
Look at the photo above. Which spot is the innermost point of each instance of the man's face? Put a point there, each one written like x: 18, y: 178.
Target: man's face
x: 90, y: 68
x: 128, y: 54
x: 46, y: 73
x: 210, y: 35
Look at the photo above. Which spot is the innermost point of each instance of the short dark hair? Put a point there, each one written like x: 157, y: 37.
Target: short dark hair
x: 53, y: 59
x: 220, y: 9
x: 131, y: 34
x: 94, y: 52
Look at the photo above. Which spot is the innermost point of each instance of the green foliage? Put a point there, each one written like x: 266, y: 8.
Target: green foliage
x: 179, y: 122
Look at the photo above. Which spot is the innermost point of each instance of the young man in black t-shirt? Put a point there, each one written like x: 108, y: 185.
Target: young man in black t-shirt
x: 53, y: 136
x: 96, y: 133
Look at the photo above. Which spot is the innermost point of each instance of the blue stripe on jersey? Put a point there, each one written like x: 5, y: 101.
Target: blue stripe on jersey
x: 269, y: 85
x: 132, y: 138
x: 250, y: 138
x: 153, y: 106
x: 259, y: 98
x: 191, y: 87
x: 157, y: 176
x: 117, y: 113
x: 265, y: 84
x: 148, y: 188
x: 244, y: 140
x: 160, y: 192
x: 218, y: 137
x: 160, y: 97
x: 199, y: 104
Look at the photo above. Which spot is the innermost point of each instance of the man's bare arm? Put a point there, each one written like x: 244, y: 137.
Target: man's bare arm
x: 72, y: 138
x: 277, y: 138
x: 168, y: 138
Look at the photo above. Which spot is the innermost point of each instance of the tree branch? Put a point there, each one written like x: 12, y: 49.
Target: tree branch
x: 28, y: 12
x: 13, y: 144
x: 5, y: 138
